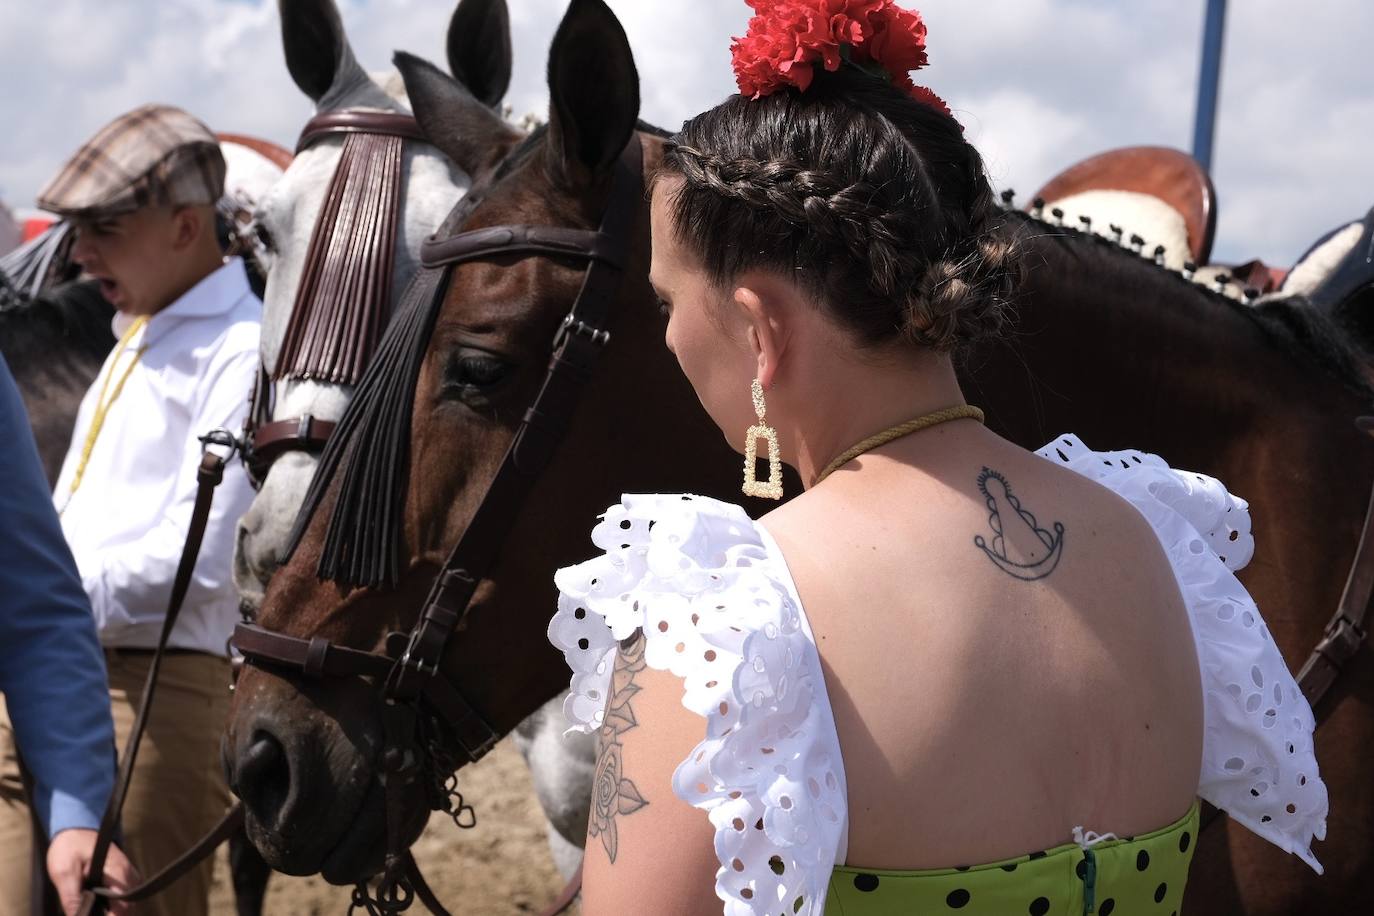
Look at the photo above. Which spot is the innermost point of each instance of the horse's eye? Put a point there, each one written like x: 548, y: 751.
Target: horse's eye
x: 473, y: 373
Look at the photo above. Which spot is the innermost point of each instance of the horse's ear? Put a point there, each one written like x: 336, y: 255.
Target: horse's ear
x: 593, y: 90
x: 467, y: 131
x: 317, y: 50
x: 479, y: 54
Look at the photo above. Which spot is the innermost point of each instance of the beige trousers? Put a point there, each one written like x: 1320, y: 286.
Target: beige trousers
x: 177, y: 792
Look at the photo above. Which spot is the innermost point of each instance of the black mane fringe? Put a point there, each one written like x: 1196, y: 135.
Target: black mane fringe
x: 371, y: 448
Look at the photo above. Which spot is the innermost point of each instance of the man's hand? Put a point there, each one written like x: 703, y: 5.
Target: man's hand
x: 69, y: 854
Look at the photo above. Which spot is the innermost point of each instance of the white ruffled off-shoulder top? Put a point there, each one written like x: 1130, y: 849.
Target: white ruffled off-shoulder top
x: 712, y: 594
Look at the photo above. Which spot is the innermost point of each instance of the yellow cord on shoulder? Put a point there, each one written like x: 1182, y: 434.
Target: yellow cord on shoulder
x: 104, y: 403
x: 961, y: 412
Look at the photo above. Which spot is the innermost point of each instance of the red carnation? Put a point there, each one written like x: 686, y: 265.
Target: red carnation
x: 787, y: 38
x: 898, y: 42
x: 922, y: 94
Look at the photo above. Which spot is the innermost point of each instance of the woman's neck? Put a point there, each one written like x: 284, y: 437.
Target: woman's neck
x: 842, y: 402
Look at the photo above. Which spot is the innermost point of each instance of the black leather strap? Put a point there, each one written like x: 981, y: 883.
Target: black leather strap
x: 331, y: 660
x: 519, y: 240
x: 1345, y: 632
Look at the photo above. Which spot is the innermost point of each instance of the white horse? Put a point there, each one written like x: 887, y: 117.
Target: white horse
x: 322, y: 64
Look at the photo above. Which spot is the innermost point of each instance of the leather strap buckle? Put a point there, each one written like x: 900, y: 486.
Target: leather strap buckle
x: 574, y: 325
x: 409, y: 660
x: 224, y: 439
x: 1342, y: 640
x: 484, y: 747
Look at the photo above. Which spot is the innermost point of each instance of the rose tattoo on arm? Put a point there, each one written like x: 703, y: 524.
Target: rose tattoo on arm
x: 612, y: 794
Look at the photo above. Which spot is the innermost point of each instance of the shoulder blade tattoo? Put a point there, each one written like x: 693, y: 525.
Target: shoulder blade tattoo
x: 614, y: 795
x: 1019, y: 546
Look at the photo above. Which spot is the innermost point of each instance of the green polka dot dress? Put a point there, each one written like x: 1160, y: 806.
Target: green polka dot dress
x: 1141, y: 876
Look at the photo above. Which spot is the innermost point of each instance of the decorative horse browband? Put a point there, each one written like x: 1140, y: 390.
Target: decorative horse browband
x: 343, y: 299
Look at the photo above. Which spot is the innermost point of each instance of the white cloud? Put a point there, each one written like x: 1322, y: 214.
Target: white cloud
x: 1040, y: 84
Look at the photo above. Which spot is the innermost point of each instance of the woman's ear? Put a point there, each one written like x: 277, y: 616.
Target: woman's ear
x: 766, y: 328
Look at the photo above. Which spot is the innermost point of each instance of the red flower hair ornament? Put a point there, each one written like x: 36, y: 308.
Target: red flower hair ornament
x: 788, y: 38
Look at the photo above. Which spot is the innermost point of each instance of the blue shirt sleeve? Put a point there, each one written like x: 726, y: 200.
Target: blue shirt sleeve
x: 52, y: 671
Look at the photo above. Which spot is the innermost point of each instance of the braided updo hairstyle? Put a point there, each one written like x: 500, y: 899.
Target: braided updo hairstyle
x: 872, y: 201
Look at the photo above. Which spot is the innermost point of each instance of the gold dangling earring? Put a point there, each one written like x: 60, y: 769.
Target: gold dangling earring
x: 772, y: 487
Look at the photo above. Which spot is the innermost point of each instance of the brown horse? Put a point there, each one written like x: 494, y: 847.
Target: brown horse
x: 1110, y: 347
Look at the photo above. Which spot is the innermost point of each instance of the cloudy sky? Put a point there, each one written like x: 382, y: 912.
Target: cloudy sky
x: 1039, y: 84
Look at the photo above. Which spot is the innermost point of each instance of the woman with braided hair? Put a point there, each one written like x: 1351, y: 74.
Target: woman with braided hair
x: 950, y: 674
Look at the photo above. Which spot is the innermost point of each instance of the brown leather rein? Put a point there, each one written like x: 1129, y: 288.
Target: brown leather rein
x: 1346, y: 630
x: 408, y: 673
x: 329, y: 304
x: 94, y: 898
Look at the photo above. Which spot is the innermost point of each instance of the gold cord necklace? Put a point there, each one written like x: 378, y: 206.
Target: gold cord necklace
x: 961, y: 412
x: 104, y: 403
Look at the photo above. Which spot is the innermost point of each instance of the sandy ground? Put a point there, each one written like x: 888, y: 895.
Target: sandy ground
x: 501, y: 866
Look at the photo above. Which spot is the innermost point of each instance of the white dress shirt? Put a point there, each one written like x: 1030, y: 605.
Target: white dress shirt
x: 128, y: 519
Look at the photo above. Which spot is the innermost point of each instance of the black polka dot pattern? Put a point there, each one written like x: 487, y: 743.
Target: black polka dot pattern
x: 1143, y: 877
x: 866, y: 883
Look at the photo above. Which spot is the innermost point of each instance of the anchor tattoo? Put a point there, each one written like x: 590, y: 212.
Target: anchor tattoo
x: 1036, y: 550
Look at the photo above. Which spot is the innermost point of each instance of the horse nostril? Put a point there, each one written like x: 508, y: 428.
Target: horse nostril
x: 263, y: 777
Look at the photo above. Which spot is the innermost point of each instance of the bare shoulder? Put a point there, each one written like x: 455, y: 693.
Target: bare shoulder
x: 1031, y: 612
x: 970, y: 524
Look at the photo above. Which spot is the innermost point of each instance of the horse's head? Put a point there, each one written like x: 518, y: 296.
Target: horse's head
x: 423, y: 440
x: 322, y: 64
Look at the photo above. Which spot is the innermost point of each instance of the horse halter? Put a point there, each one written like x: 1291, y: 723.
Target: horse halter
x: 343, y: 298
x: 408, y: 673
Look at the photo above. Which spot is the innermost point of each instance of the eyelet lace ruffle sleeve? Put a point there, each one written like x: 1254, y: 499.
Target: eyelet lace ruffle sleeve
x: 717, y: 610
x: 1258, y: 762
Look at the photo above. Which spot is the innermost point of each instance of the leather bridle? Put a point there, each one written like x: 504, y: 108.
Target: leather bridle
x: 333, y: 250
x: 413, y: 686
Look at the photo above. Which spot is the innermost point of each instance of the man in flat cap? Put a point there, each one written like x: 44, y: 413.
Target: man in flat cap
x: 141, y: 194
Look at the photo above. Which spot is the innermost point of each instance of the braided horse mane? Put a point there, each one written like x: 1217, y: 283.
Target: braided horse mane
x: 1289, y: 322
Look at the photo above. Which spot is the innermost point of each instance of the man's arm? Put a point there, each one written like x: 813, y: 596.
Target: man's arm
x: 129, y: 585
x: 52, y: 671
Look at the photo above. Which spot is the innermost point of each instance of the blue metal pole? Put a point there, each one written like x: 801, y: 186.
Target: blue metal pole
x: 1209, y: 81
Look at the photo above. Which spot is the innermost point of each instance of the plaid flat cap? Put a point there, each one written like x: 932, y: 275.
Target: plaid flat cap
x: 156, y: 154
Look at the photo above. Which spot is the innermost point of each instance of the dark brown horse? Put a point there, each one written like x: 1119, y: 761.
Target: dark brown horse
x: 1110, y: 347
x: 55, y: 344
